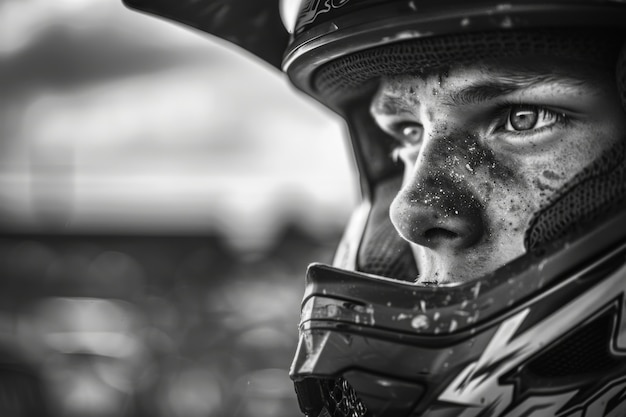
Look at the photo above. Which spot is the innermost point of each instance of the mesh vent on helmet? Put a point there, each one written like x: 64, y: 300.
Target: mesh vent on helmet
x: 386, y: 254
x: 383, y: 252
x: 320, y: 397
x: 341, y: 399
x: 589, y: 195
x: 346, y: 74
x: 583, y: 353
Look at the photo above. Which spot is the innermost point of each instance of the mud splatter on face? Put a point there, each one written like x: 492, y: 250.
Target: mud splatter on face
x: 481, y: 156
x: 551, y: 175
x: 472, y: 185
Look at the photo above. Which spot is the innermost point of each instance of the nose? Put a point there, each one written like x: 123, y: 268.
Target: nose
x: 435, y: 206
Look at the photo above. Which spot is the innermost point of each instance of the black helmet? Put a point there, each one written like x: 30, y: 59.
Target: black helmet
x: 544, y: 335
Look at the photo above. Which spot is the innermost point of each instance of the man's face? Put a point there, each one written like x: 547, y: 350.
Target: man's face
x: 486, y: 146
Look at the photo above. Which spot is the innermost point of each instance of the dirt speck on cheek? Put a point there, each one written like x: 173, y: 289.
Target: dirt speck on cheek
x: 551, y: 175
x: 543, y: 187
x: 487, y: 188
x: 515, y: 207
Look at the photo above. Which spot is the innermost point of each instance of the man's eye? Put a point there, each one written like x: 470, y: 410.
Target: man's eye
x: 408, y: 133
x: 524, y: 117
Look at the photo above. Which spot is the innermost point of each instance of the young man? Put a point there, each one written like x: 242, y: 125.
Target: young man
x: 485, y: 146
x: 484, y: 273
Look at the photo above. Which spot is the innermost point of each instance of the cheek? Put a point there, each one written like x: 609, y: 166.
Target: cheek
x: 550, y: 170
x: 510, y: 206
x: 593, y: 182
x: 532, y: 182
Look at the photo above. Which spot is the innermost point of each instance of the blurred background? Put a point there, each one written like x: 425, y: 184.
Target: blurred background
x: 161, y: 195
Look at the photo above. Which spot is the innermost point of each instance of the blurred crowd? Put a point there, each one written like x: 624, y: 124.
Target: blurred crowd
x: 150, y: 325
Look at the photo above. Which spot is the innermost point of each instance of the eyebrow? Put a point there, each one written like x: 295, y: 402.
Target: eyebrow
x: 489, y: 90
x: 388, y: 104
x: 483, y: 91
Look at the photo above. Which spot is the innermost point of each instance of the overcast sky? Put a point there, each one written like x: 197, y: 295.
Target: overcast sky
x: 113, y: 120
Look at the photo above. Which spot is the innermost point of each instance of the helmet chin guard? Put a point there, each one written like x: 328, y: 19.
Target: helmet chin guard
x: 543, y: 333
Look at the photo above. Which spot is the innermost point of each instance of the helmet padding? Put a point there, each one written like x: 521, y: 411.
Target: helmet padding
x: 346, y: 76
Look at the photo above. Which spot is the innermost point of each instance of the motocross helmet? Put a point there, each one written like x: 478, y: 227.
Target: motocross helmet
x: 544, y: 335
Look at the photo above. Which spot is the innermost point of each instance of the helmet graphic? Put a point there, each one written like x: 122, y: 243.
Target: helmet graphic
x: 544, y: 334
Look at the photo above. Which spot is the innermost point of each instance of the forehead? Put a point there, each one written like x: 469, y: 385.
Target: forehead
x: 490, y: 79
